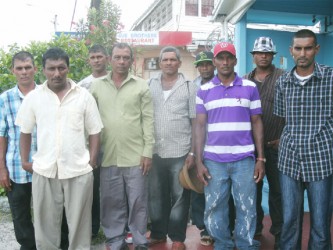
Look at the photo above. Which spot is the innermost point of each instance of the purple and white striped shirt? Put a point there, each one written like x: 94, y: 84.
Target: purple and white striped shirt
x: 229, y: 110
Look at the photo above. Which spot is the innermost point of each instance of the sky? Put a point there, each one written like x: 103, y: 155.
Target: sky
x: 22, y: 21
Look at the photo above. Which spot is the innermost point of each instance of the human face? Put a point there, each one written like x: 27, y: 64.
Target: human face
x: 225, y: 63
x: 24, y: 72
x: 98, y: 62
x: 304, y: 51
x: 56, y: 74
x: 263, y: 59
x: 121, y: 61
x: 206, y: 70
x: 169, y: 63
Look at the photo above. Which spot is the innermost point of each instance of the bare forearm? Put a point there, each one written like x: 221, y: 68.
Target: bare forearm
x: 193, y: 126
x: 94, y: 144
x: 25, y: 147
x: 3, y: 151
x: 200, y: 136
x: 258, y: 136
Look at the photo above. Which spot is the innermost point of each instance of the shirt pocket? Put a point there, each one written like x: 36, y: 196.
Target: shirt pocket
x: 75, y: 119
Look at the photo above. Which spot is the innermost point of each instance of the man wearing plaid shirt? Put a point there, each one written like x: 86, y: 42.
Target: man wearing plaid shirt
x: 304, y: 98
x: 15, y: 180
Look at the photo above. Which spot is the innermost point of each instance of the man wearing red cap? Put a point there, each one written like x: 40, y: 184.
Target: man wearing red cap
x: 229, y: 126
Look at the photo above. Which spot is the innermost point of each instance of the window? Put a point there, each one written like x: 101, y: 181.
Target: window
x: 207, y: 7
x: 192, y: 7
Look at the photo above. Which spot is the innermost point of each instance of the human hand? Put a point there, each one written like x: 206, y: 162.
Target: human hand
x: 203, y: 173
x: 145, y: 165
x: 4, y: 179
x: 274, y: 144
x: 259, y: 171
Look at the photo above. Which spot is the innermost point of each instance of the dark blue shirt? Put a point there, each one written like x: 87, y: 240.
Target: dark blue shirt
x: 306, y: 143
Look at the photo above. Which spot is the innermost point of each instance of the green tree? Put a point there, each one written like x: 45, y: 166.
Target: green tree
x: 102, y: 24
x: 76, y: 49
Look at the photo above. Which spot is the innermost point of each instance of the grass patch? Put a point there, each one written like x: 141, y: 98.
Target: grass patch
x: 99, y: 239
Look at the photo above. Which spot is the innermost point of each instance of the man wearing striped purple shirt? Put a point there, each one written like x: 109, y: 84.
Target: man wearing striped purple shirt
x: 229, y: 126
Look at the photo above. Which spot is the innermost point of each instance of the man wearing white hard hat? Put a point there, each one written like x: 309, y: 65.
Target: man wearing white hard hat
x: 265, y: 75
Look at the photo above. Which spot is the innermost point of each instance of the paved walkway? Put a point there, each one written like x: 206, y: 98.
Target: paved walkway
x: 8, y: 241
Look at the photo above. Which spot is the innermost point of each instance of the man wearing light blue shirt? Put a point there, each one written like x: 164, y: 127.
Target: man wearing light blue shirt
x: 15, y: 180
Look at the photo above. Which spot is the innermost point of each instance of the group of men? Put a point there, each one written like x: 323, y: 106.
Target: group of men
x: 132, y: 139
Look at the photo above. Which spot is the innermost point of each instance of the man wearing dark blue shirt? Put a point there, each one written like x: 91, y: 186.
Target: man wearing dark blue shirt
x: 304, y: 98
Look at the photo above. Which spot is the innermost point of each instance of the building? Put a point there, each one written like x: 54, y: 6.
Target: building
x: 176, y: 20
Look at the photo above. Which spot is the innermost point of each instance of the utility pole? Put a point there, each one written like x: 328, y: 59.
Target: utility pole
x: 55, y: 22
x: 95, y: 4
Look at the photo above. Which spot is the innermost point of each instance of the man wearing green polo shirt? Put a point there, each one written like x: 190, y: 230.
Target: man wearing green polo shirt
x: 126, y: 109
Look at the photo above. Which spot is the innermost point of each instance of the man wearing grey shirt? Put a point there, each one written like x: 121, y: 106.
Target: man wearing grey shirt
x: 174, y: 112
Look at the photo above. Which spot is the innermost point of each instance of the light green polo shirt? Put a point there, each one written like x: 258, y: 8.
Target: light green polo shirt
x: 127, y: 116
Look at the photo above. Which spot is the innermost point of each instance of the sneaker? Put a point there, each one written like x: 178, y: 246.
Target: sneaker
x: 177, y: 245
x: 206, y: 240
x: 129, y: 238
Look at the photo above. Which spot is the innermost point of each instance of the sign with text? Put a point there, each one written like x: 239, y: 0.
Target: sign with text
x: 139, y: 37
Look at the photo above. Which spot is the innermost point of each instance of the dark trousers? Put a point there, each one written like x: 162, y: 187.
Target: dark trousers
x: 19, y: 199
x: 169, y: 202
x: 274, y: 195
x: 95, y: 211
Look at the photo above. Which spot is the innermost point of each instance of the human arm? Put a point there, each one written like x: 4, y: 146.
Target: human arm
x: 145, y: 164
x: 190, y: 159
x: 4, y: 174
x: 25, y: 146
x: 148, y: 131
x: 192, y: 88
x: 258, y: 136
x: 94, y: 144
x: 200, y: 137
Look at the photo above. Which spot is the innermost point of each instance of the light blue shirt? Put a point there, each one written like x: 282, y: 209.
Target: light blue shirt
x: 10, y: 102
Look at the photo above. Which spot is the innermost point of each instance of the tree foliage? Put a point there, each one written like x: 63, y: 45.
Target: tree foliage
x: 76, y: 49
x: 101, y: 26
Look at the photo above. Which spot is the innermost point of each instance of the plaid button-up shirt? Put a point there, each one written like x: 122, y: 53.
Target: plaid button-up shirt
x: 10, y: 101
x: 306, y: 144
x: 173, y: 116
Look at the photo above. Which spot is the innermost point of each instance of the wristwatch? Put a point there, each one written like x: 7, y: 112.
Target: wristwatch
x: 261, y: 159
x: 191, y: 154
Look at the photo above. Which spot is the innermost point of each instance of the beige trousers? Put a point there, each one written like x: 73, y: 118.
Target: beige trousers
x: 50, y: 196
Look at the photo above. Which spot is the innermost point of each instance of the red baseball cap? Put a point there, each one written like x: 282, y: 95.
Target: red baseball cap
x: 224, y: 47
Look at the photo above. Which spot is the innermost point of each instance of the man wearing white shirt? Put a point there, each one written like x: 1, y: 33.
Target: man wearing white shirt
x: 62, y: 166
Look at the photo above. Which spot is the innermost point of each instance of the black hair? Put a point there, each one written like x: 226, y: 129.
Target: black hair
x: 22, y: 56
x: 305, y: 33
x: 55, y: 54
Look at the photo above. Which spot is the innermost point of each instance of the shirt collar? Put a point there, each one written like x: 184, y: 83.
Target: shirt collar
x: 237, y: 81
x: 253, y: 72
x: 317, y: 72
x: 19, y: 93
x: 71, y: 82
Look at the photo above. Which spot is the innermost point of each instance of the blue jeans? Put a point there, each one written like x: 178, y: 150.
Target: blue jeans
x: 319, y: 195
x: 168, y: 201
x: 238, y: 177
x: 198, y: 210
